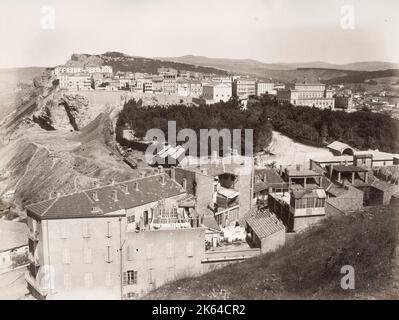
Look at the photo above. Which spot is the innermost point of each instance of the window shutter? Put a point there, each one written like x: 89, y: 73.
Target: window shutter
x: 108, y: 279
x: 150, y: 280
x: 64, y: 230
x: 130, y: 253
x: 88, y: 278
x: 87, y: 255
x: 109, y: 229
x: 190, y: 249
x: 169, y: 249
x: 66, y: 256
x: 86, y: 229
x: 124, y: 281
x: 149, y: 251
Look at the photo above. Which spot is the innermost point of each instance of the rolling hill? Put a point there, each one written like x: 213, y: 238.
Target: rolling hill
x: 123, y: 62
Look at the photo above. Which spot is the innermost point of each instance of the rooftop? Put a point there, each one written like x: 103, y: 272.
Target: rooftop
x: 293, y: 172
x: 81, y: 204
x: 263, y: 222
x: 348, y: 168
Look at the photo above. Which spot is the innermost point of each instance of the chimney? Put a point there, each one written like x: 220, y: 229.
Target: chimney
x: 94, y: 195
x: 125, y: 188
x: 111, y: 181
x: 142, y: 174
x: 115, y: 195
x: 136, y: 186
x: 185, y: 184
x: 173, y: 173
x: 264, y: 177
x: 160, y: 169
x: 281, y: 169
x: 163, y: 179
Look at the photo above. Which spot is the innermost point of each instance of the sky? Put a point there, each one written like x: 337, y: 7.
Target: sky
x: 46, y: 33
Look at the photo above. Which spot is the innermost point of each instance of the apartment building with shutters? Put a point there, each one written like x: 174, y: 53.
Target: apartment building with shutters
x: 111, y: 242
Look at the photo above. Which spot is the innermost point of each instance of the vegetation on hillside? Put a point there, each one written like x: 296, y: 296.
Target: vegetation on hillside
x: 361, y: 129
x: 308, y: 267
x: 218, y: 116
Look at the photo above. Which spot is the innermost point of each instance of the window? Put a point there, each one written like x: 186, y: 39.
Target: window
x: 171, y: 273
x: 131, y: 219
x: 66, y: 256
x: 108, y: 279
x: 86, y: 230
x: 190, y: 249
x: 109, y: 230
x: 149, y: 251
x: 130, y: 277
x: 108, y: 254
x: 150, y: 276
x: 130, y: 253
x: 88, y: 278
x: 67, y: 281
x: 87, y: 256
x: 64, y: 230
x: 169, y: 249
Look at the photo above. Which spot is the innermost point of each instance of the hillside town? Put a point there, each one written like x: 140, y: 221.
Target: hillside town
x: 207, y: 151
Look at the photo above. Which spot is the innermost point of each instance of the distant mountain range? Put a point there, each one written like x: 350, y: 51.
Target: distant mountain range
x: 249, y: 64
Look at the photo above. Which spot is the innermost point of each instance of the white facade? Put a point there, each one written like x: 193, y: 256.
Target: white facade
x: 213, y: 93
x: 75, y: 81
x: 265, y: 87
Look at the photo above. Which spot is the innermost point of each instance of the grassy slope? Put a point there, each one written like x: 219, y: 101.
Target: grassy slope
x: 308, y: 267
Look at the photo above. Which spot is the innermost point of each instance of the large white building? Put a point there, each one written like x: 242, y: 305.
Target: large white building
x: 75, y: 81
x: 216, y: 92
x: 265, y: 87
x: 306, y: 94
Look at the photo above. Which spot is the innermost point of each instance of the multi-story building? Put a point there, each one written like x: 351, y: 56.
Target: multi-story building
x: 244, y: 87
x: 75, y: 81
x: 147, y: 85
x: 157, y: 84
x: 116, y: 241
x: 222, y: 187
x: 265, y: 87
x: 169, y: 83
x: 304, y: 94
x: 185, y: 87
x: 195, y: 88
x: 216, y: 92
x: 59, y: 70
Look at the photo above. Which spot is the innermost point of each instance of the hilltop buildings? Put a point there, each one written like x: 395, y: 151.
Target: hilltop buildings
x: 244, y: 87
x: 216, y: 92
x: 305, y: 94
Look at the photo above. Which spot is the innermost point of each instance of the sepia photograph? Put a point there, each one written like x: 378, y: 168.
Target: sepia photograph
x: 219, y: 151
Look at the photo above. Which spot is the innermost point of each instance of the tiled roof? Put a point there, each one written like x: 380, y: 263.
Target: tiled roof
x: 12, y: 235
x: 269, y: 177
x: 80, y: 204
x: 263, y: 222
